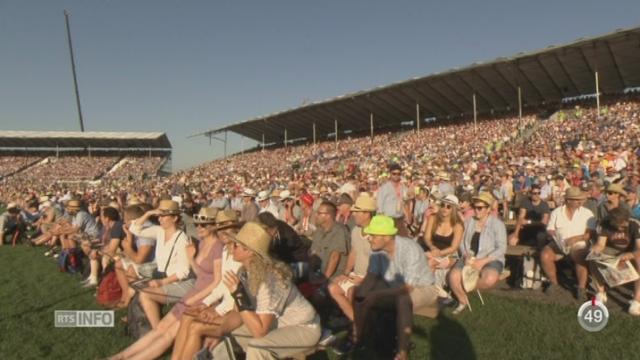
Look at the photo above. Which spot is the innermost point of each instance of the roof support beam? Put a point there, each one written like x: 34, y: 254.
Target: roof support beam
x: 566, y: 72
x: 373, y: 107
x: 615, y: 64
x: 486, y: 83
x: 424, y: 101
x: 551, y: 79
x: 504, y: 78
x: 446, y: 82
x: 477, y: 92
x: 394, y: 105
x: 437, y: 92
x: 525, y: 77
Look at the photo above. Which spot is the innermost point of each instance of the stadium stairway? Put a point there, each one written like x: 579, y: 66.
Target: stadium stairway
x: 25, y: 167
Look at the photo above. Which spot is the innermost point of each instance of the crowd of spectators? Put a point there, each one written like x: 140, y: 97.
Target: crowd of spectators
x: 424, y: 212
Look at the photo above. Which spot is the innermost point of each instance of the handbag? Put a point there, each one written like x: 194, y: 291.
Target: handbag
x: 156, y: 274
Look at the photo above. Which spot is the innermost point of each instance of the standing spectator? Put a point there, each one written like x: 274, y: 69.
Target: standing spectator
x: 390, y: 200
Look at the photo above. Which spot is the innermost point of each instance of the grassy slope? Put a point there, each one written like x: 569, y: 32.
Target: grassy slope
x: 32, y: 288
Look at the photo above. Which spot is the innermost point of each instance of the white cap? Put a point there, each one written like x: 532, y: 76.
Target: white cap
x: 451, y: 199
x: 262, y: 196
x: 286, y: 194
x: 249, y: 192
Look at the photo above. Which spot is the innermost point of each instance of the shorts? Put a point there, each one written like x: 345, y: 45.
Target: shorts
x: 144, y: 270
x: 495, y: 265
x: 178, y: 289
x: 561, y: 253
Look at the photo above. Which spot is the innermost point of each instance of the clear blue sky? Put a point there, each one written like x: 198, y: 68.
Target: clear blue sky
x: 185, y: 66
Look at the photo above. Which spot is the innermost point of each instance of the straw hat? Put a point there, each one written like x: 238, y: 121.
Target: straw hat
x: 12, y: 206
x: 616, y: 188
x: 276, y: 193
x: 74, y: 204
x: 485, y: 197
x: 254, y: 236
x: 444, y: 176
x: 226, y: 219
x: 285, y: 195
x: 381, y: 225
x: 574, y: 193
x: 451, y: 199
x: 206, y: 215
x: 249, y: 193
x: 262, y: 196
x: 470, y: 278
x: 364, y: 203
x: 169, y: 207
x: 134, y: 200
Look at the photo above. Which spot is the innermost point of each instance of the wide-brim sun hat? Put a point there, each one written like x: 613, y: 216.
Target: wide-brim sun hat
x: 262, y: 196
x: 285, y: 195
x: 574, y: 193
x: 248, y: 193
x: 381, y: 225
x: 206, y: 215
x: 485, y: 197
x: 364, y: 203
x: 616, y: 188
x: 451, y: 200
x: 255, y: 237
x: 226, y: 219
x: 169, y: 207
x: 74, y: 204
x: 470, y: 278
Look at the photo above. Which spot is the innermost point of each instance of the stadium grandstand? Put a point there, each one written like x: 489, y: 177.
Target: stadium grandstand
x: 36, y: 157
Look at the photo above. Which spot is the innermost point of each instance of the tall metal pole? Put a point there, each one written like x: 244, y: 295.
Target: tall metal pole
x: 519, y: 106
x: 73, y: 70
x: 285, y: 138
x: 314, y: 134
x: 597, y: 94
x: 262, y: 142
x: 335, y: 121
x: 418, y: 116
x: 371, y: 120
x: 475, y: 115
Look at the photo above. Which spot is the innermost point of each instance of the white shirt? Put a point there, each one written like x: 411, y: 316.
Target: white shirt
x: 221, y: 291
x: 179, y: 262
x: 565, y: 228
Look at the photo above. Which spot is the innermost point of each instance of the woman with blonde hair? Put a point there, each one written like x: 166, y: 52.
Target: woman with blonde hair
x: 277, y: 321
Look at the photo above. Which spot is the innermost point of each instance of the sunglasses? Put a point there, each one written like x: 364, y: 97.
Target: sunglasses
x: 447, y: 206
x: 535, y: 193
x: 481, y: 207
x: 611, y: 193
x: 203, y: 225
x: 396, y: 173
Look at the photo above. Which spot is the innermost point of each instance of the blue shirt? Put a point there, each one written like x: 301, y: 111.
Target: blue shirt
x: 388, y: 202
x: 408, y: 266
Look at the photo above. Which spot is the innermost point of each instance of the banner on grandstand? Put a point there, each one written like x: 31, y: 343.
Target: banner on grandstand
x: 84, y: 318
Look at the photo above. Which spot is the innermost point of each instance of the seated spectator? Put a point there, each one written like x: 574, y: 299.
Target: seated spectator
x: 207, y: 268
x: 277, y: 321
x: 9, y: 223
x: 286, y: 245
x: 306, y: 225
x: 618, y: 236
x: 171, y: 278
x: 344, y: 216
x: 483, y: 246
x: 289, y: 212
x: 398, y: 279
x: 110, y: 237
x: 570, y: 226
x: 215, y: 317
x: 329, y: 245
x: 442, y: 240
x: 615, y: 197
x: 343, y: 286
x: 533, y: 217
x: 136, y: 260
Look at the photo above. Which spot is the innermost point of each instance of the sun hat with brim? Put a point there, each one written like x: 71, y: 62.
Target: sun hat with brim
x: 226, y: 219
x: 275, y: 193
x: 74, y: 204
x: 616, y: 188
x: 285, y: 195
x: 381, y: 225
x: 248, y: 193
x: 574, y: 193
x: 262, y: 196
x: 255, y: 237
x: 364, y: 203
x: 451, y: 199
x: 485, y: 197
x: 206, y: 215
x: 169, y: 207
x: 470, y: 278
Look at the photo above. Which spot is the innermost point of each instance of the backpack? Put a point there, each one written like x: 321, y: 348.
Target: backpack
x: 109, y: 290
x: 137, y: 323
x: 70, y: 260
x: 531, y: 275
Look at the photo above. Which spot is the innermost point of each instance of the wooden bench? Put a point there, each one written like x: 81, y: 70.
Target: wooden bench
x: 521, y: 250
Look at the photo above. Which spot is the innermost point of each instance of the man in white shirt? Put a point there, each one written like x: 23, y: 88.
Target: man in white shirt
x: 571, y: 226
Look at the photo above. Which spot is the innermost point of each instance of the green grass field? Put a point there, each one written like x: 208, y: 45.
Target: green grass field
x: 505, y: 328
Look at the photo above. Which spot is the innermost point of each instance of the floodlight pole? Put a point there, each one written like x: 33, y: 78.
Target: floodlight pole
x: 597, y: 94
x: 73, y: 70
x: 475, y: 115
x: 418, y: 117
x: 371, y: 120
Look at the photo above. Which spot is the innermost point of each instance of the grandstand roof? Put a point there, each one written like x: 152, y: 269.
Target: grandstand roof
x: 546, y: 76
x: 76, y: 139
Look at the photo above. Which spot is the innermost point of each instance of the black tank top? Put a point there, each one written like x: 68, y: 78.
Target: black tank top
x: 442, y: 242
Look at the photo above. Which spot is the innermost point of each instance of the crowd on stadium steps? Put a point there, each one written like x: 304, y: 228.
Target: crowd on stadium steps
x: 136, y: 167
x: 12, y: 163
x: 275, y: 248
